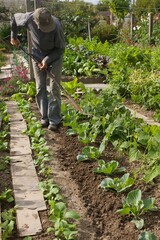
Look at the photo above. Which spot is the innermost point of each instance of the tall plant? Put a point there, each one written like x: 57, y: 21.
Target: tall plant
x: 120, y: 8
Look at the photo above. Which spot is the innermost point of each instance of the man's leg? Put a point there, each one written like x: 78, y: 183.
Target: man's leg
x: 41, y: 92
x: 54, y: 103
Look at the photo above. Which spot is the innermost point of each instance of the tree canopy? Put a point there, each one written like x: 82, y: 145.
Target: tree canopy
x: 120, y: 8
x: 142, y: 7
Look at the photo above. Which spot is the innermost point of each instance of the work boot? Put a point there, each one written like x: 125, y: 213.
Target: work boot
x: 44, y: 123
x: 53, y: 127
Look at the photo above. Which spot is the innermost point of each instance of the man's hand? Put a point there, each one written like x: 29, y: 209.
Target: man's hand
x: 15, y: 42
x: 42, y: 65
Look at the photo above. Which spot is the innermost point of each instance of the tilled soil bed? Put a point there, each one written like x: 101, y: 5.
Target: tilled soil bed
x: 97, y: 208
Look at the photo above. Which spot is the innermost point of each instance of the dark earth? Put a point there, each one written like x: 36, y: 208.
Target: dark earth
x: 80, y: 186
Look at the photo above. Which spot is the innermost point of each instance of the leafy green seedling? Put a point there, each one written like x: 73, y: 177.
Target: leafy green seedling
x: 60, y: 216
x: 4, y: 162
x: 34, y: 130
x: 50, y: 191
x: 8, y: 222
x: 6, y: 196
x: 41, y: 158
x: 3, y: 141
x: 29, y: 88
x: 134, y: 205
x: 3, y: 145
x: 109, y: 168
x: 82, y: 131
x: 88, y: 152
x: 73, y: 85
x: 147, y: 236
x: 4, y: 116
x: 118, y: 184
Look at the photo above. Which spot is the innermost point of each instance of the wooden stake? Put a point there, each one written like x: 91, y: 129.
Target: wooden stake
x: 28, y: 9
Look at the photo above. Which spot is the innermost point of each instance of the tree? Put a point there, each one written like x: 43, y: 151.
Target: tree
x: 74, y: 16
x: 120, y: 8
x: 143, y: 7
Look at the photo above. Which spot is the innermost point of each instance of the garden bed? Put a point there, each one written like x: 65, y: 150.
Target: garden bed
x: 100, y: 205
x: 81, y: 187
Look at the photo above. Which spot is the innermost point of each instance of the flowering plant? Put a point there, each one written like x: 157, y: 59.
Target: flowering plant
x: 9, y: 85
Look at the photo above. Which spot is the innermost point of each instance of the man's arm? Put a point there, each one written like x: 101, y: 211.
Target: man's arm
x: 58, y: 49
x: 18, y: 20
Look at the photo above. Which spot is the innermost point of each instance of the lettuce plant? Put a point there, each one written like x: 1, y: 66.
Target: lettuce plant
x: 8, y: 223
x: 109, y: 168
x: 117, y: 184
x: 147, y: 236
x: 89, y: 152
x: 61, y: 217
x: 134, y: 205
x: 6, y: 196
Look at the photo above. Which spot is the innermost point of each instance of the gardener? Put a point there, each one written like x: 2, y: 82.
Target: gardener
x: 48, y: 45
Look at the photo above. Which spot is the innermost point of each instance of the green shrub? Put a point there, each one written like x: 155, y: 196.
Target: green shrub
x: 5, y: 36
x: 5, y: 30
x: 2, y: 58
x: 105, y: 32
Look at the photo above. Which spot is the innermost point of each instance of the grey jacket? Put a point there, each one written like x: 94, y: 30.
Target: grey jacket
x: 49, y: 46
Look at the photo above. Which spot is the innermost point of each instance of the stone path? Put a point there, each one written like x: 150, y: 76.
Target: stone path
x: 6, y: 72
x: 148, y: 120
x: 28, y: 197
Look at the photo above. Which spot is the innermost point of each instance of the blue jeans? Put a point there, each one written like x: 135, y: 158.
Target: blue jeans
x: 49, y: 104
